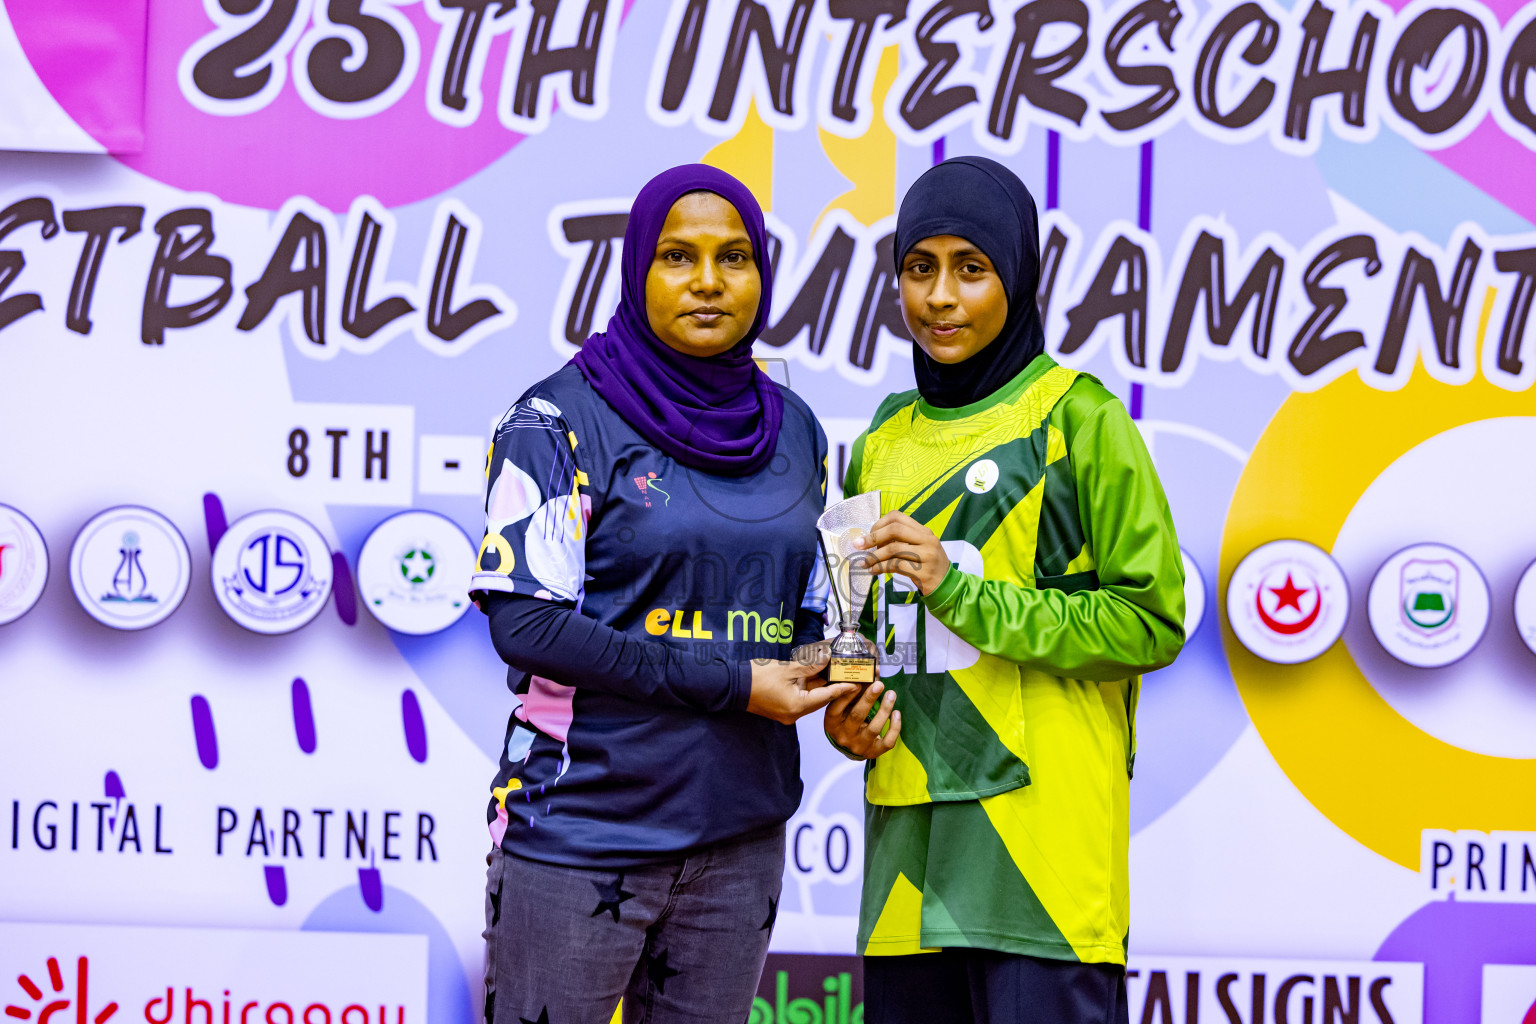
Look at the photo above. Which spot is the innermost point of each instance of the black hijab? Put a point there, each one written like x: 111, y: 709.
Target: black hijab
x: 985, y: 203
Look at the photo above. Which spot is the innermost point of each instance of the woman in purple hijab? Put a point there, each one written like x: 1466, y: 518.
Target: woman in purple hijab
x: 646, y: 572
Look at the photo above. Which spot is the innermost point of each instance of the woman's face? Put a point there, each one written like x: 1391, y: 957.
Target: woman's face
x: 703, y: 287
x: 952, y: 300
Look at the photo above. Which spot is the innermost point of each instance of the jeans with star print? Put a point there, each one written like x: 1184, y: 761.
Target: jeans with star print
x: 682, y: 942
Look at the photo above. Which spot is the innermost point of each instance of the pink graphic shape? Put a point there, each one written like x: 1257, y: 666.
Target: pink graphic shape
x: 90, y: 55
x: 399, y: 155
x: 1489, y: 158
x: 547, y: 707
x: 499, y: 826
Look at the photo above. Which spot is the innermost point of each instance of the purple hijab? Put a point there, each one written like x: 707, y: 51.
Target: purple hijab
x: 719, y: 414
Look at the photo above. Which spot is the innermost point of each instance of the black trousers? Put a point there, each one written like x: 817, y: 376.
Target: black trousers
x: 982, y: 986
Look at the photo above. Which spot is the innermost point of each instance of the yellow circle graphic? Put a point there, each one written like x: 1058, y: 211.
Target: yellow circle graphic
x: 1368, y: 769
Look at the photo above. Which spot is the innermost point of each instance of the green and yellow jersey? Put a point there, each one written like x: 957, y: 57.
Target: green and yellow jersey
x: 999, y: 820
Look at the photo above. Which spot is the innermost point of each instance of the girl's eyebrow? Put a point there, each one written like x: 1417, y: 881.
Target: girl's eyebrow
x: 669, y: 240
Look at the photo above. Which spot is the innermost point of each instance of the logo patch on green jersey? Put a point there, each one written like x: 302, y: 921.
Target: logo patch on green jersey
x: 982, y: 476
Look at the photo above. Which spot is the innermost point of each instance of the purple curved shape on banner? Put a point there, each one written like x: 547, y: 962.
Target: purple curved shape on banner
x: 214, y: 519
x: 1455, y: 939
x: 203, y: 732
x: 415, y: 726
x: 277, y: 884
x: 370, y: 883
x: 114, y: 786
x: 303, y: 716
x: 342, y: 588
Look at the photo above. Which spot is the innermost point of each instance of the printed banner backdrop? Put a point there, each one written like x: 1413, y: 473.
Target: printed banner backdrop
x: 253, y: 358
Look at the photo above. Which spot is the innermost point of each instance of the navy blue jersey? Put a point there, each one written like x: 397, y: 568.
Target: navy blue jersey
x: 708, y: 571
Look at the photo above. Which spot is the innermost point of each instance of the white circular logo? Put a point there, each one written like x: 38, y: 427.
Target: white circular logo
x: 1525, y: 607
x: 1428, y: 605
x: 1288, y: 601
x: 413, y: 572
x: 272, y: 572
x: 130, y: 567
x: 982, y: 476
x: 1194, y: 595
x: 23, y: 564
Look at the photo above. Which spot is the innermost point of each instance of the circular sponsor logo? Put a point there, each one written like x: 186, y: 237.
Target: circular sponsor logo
x: 23, y: 564
x: 272, y: 572
x: 981, y: 477
x: 1428, y: 605
x: 130, y: 567
x: 1287, y: 601
x: 1194, y: 595
x: 1525, y: 607
x: 414, y: 572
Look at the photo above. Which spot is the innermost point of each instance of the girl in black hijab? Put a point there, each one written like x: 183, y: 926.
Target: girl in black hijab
x: 1023, y: 514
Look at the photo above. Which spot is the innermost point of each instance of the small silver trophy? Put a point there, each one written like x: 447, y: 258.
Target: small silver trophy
x: 847, y: 567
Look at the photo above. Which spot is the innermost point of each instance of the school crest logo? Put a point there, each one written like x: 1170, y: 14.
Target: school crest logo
x: 23, y: 564
x: 1428, y: 590
x: 1288, y: 601
x: 130, y: 567
x: 414, y: 572
x: 981, y: 477
x: 272, y: 572
x: 1194, y: 595
x: 1429, y: 605
x: 1525, y: 607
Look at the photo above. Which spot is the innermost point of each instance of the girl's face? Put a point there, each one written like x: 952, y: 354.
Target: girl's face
x: 952, y: 300
x: 703, y: 286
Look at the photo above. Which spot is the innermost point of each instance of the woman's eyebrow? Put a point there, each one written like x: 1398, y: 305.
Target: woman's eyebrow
x: 690, y: 243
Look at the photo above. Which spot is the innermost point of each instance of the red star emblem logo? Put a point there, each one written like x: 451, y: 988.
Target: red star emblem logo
x: 1289, y: 595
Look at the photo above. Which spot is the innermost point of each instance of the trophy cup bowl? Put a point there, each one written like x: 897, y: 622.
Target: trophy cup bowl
x: 840, y: 526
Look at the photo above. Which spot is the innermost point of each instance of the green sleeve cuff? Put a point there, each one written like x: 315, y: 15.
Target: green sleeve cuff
x: 946, y: 593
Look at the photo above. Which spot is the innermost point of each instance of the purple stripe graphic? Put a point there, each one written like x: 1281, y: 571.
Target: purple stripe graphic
x: 1143, y: 221
x: 370, y: 884
x: 1144, y: 207
x: 938, y: 150
x: 303, y: 717
x: 346, y: 595
x: 1052, y: 170
x: 202, y: 731
x: 277, y: 884
x: 415, y: 726
x: 214, y: 519
x: 114, y: 786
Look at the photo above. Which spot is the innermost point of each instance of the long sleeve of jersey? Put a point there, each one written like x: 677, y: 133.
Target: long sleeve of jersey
x: 556, y: 641
x: 1132, y: 623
